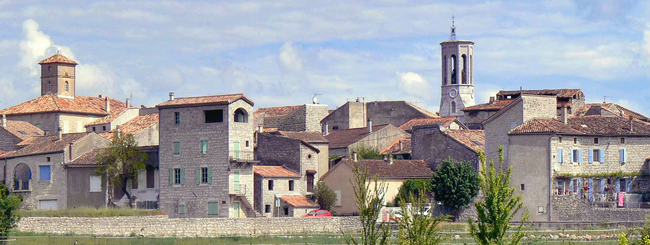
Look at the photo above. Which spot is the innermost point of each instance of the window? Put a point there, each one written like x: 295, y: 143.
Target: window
x: 104, y: 128
x: 181, y: 209
x: 270, y: 185
x: 177, y: 148
x: 67, y: 86
x: 560, y: 156
x: 95, y: 183
x: 247, y: 143
x: 596, y: 155
x: 150, y: 178
x: 213, y: 116
x: 335, y: 128
x: 291, y: 185
x: 94, y: 129
x: 267, y: 208
x: 286, y: 211
x: 134, y: 184
x: 575, y: 141
x: 523, y: 188
x: 559, y: 139
x: 622, y: 155
x: 204, y: 176
x: 213, y: 208
x: 177, y: 118
x: 622, y: 140
x: 49, y: 87
x: 241, y: 115
x: 48, y: 159
x: 453, y: 107
x: 204, y: 147
x: 596, y: 141
x: 540, y: 209
x: 45, y: 172
x: 176, y: 176
x: 576, y: 156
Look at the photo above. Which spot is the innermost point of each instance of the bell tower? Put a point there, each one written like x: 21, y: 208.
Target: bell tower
x: 58, y: 76
x: 457, y: 75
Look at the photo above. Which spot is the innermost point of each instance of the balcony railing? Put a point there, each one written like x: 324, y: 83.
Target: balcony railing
x: 147, y: 205
x: 242, y: 156
x: 238, y: 189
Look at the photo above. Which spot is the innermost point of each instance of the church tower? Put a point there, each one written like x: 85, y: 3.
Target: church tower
x: 58, y: 76
x: 457, y: 76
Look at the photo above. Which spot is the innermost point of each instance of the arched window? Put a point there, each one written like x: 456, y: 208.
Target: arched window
x: 67, y: 86
x: 444, y: 70
x: 241, y: 115
x: 453, y: 69
x: 453, y: 107
x: 22, y: 176
x: 464, y: 70
x: 49, y: 87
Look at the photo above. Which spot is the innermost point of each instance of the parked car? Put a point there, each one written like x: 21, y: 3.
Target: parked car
x: 318, y: 213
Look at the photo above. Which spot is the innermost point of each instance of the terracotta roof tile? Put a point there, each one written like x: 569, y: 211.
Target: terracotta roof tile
x: 47, y: 144
x: 400, y: 146
x: 135, y: 125
x: 560, y: 93
x: 58, y: 58
x: 618, y: 110
x: 345, y: 137
x: 203, y: 100
x: 52, y: 103
x: 23, y: 130
x: 309, y: 137
x: 276, y: 111
x: 474, y: 139
x: 585, y: 125
x: 298, y: 201
x: 274, y: 171
x: 494, y: 106
x: 89, y: 158
x: 442, y: 121
x: 400, y: 169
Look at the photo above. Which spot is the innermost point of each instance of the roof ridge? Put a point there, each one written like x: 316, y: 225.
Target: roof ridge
x: 200, y: 96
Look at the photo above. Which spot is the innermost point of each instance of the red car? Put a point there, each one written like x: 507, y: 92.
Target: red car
x: 318, y: 213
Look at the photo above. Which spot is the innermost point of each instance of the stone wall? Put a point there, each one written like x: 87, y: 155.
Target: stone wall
x: 569, y: 208
x: 162, y: 226
x: 433, y: 146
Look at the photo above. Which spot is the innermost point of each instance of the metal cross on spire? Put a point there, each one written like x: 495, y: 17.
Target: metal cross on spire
x: 453, y: 29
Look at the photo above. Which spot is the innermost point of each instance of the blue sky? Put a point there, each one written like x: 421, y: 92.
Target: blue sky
x: 283, y: 52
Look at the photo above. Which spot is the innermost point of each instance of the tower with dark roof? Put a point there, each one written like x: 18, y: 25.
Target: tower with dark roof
x: 58, y: 76
x: 457, y: 85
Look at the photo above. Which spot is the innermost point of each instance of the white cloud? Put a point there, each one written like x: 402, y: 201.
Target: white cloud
x: 290, y: 59
x: 33, y: 47
x: 646, y: 39
x: 413, y: 84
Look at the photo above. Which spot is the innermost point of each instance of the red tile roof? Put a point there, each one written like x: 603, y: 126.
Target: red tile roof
x: 618, y: 110
x: 397, y: 148
x: 46, y: 144
x: 400, y: 169
x: 442, y: 121
x: 298, y: 201
x: 58, y: 58
x: 205, y: 100
x: 560, y: 93
x: 23, y: 130
x: 345, y: 137
x: 134, y: 126
x: 274, y: 171
x: 473, y: 139
x: 89, y: 158
x: 80, y: 104
x: 494, y: 106
x: 309, y: 137
x: 279, y: 111
x: 585, y: 125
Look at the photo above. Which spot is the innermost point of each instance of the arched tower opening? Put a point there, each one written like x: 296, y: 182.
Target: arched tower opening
x: 453, y: 69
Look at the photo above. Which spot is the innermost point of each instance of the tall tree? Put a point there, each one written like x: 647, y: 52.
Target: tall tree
x: 121, y: 162
x: 455, y: 184
x: 498, y: 207
x: 325, y: 197
x: 417, y: 225
x: 369, y: 199
x: 9, y: 205
x: 414, y: 187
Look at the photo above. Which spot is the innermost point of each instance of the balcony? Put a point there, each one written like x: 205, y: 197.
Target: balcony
x: 238, y: 189
x: 242, y: 156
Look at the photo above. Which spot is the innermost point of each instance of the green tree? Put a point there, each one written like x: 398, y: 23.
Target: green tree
x: 498, y: 206
x: 120, y: 162
x: 418, y: 226
x: 9, y: 205
x: 369, y: 196
x: 414, y: 187
x: 325, y: 197
x: 636, y: 236
x: 455, y: 184
x: 367, y: 152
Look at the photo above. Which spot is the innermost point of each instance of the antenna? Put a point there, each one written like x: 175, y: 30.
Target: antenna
x: 453, y: 29
x: 605, y: 98
x: 314, y: 100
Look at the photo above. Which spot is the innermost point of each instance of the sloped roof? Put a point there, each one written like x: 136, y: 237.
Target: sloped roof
x: 397, y: 148
x: 560, y: 93
x: 274, y: 171
x: 298, y: 201
x: 135, y: 125
x: 89, y: 158
x: 309, y: 137
x: 471, y: 138
x: 345, y: 137
x: 205, y: 100
x: 494, y: 106
x: 442, y: 121
x: 276, y: 111
x: 46, y: 144
x: 422, y: 110
x: 585, y: 125
x: 58, y: 58
x: 613, y: 108
x: 23, y: 130
x: 400, y: 169
x: 80, y: 104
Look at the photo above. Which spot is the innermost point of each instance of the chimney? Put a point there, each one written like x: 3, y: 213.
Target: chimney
x: 117, y: 129
x: 108, y: 105
x: 99, y: 96
x: 631, y: 124
x: 491, y: 99
x: 390, y: 159
x: 59, y: 133
x: 355, y: 157
x: 128, y: 103
x: 325, y: 128
x: 171, y: 96
x: 563, y: 114
x: 4, y: 120
x: 369, y: 126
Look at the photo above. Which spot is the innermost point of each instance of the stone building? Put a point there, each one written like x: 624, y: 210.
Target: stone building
x: 316, y: 140
x: 14, y: 132
x: 43, y: 172
x: 144, y: 129
x: 343, y: 142
x: 281, y: 192
x: 435, y: 144
x: 457, y: 87
x: 475, y: 115
x: 441, y: 122
x: 393, y: 172
x: 355, y: 114
x: 206, y: 152
x: 298, y: 118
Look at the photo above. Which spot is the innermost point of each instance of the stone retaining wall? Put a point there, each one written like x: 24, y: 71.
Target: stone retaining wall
x: 162, y: 226
x: 569, y: 208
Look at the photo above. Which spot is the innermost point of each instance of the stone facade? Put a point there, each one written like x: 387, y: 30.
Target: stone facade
x: 349, y: 115
x: 356, y: 114
x: 55, y: 77
x: 304, y: 118
x: 78, y: 188
x: 570, y: 208
x: 429, y: 143
x: 378, y: 139
x: 457, y: 86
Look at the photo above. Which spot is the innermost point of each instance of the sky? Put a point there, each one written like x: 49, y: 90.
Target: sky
x: 283, y: 52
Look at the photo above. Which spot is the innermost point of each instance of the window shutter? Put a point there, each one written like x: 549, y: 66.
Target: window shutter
x: 591, y: 190
x: 571, y: 153
x: 591, y: 156
x: 198, y: 175
x: 624, y: 155
x: 580, y: 156
x: 602, y: 155
x: 171, y: 176
x: 209, y: 175
x: 182, y: 176
x: 621, y: 158
x: 559, y: 155
x: 618, y: 185
x: 602, y: 185
x: 629, y: 184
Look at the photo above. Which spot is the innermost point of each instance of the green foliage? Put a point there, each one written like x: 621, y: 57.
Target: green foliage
x: 417, y: 226
x: 414, y: 187
x: 455, y: 184
x: 498, y: 207
x: 642, y: 235
x: 369, y: 201
x: 325, y: 197
x: 89, y: 212
x: 120, y: 162
x: 9, y: 205
x: 367, y: 152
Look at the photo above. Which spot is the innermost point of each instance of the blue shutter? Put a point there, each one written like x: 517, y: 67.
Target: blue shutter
x: 571, y: 153
x: 624, y: 155
x: 580, y: 156
x: 559, y: 155
x: 621, y: 156
x: 602, y: 185
x: 182, y: 176
x: 45, y: 173
x: 591, y: 156
x: 571, y: 184
x: 171, y: 176
x: 618, y: 185
x: 602, y: 155
x: 629, y: 185
x: 209, y: 175
x: 591, y: 190
x: 198, y: 176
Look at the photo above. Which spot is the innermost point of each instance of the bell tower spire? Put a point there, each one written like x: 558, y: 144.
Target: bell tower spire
x: 452, y: 36
x: 457, y: 84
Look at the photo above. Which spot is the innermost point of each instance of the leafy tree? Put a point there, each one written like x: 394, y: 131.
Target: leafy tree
x: 325, y: 197
x: 367, y: 152
x: 455, y: 184
x: 414, y: 187
x: 417, y: 226
x: 498, y: 207
x: 636, y: 236
x: 9, y: 205
x: 120, y: 162
x: 369, y: 201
